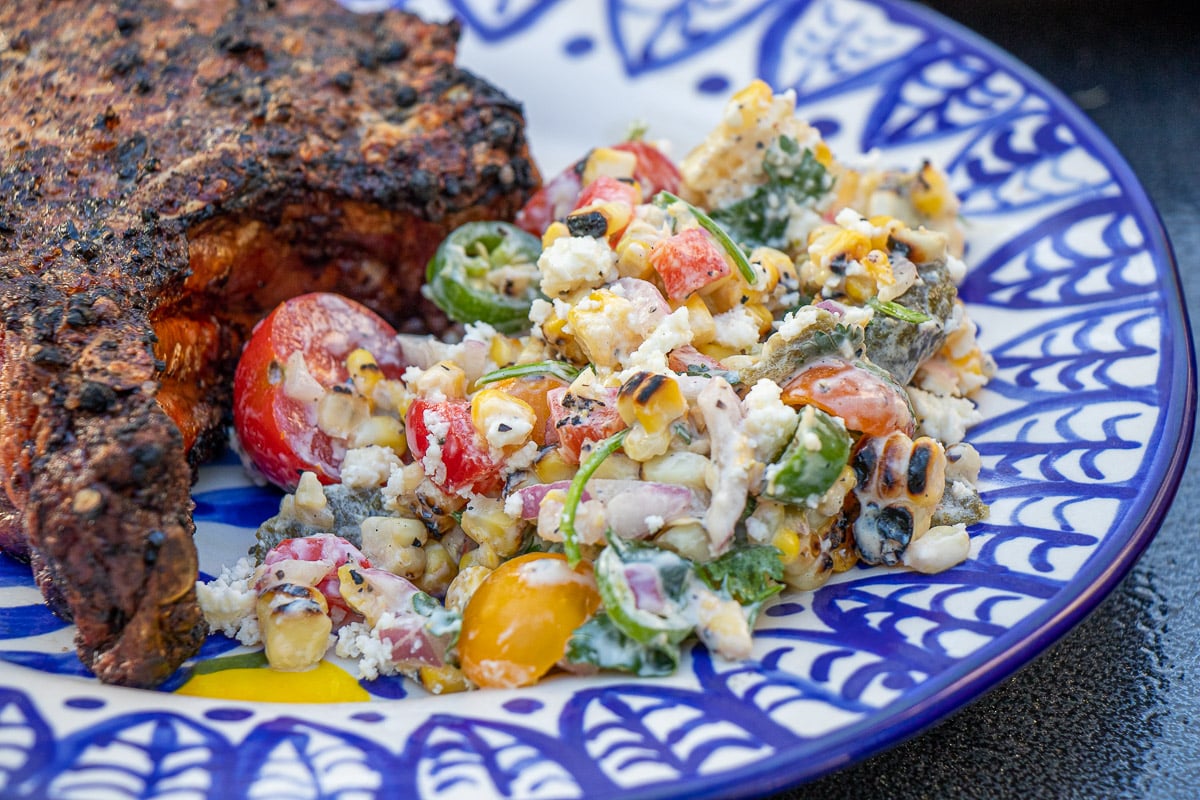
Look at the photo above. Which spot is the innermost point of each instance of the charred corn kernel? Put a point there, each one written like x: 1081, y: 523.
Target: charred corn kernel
x: 383, y: 431
x: 681, y: 467
x: 504, y: 350
x: 395, y: 544
x: 481, y: 556
x: 830, y: 244
x: 555, y: 333
x: 440, y: 569
x: 390, y: 397
x: 931, y: 193
x: 295, y: 626
x: 633, y: 249
x: 788, y: 544
x: 364, y: 371
x: 772, y: 265
x: 762, y: 314
x: 687, y: 538
x: 748, y: 103
x: 604, y: 328
x: 859, y: 288
x: 884, y: 226
x: 556, y: 230
x: 717, y: 351
x: 600, y: 219
x: 446, y: 679
x: 879, y: 267
x: 501, y: 419
x: 459, y: 593
x: 704, y: 330
x: 651, y: 400
x: 339, y: 413
x: 641, y: 445
x: 486, y: 523
x: 823, y: 154
x: 618, y: 466
x: 445, y: 378
x: 618, y: 164
x: 725, y: 293
x: 553, y: 467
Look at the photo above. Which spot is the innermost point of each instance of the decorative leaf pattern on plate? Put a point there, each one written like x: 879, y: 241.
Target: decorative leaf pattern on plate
x: 821, y: 46
x: 652, y: 34
x: 456, y: 757
x: 141, y: 755
x: 299, y: 759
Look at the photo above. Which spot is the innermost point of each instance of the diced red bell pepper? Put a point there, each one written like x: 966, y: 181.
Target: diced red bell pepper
x: 688, y: 261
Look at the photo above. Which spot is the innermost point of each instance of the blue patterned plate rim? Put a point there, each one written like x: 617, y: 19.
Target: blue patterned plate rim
x: 972, y: 675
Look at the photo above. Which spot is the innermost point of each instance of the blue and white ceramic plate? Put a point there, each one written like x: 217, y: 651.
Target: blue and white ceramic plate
x: 1086, y: 430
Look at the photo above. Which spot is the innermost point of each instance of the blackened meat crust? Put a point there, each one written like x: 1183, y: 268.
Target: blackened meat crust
x: 168, y: 174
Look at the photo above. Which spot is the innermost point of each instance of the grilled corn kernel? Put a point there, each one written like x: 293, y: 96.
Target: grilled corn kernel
x: 556, y: 230
x: 464, y: 585
x: 339, y: 413
x: 445, y: 378
x: 604, y: 328
x: 651, y: 400
x: 763, y: 315
x: 364, y: 371
x: 600, y: 219
x: 617, y: 164
x: 642, y: 445
x: 554, y: 329
x: 788, y: 544
x: 551, y: 467
x: 486, y: 523
x: 618, y: 466
x: 295, y: 625
x: 501, y: 419
x: 717, y: 351
x: 704, y: 330
x: 446, y: 679
x: 440, y: 569
x: 504, y: 350
x: 931, y: 193
x: 633, y: 249
x: 725, y: 293
x: 771, y: 265
x: 383, y: 431
x: 481, y: 556
x: 395, y: 544
x: 681, y: 467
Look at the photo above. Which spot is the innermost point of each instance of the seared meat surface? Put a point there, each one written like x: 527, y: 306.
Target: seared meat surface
x: 168, y: 173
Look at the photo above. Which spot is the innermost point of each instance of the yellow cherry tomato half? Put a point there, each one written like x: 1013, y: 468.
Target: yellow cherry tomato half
x: 517, y: 624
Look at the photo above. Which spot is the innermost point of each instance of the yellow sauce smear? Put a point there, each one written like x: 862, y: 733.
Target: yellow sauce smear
x: 326, y: 683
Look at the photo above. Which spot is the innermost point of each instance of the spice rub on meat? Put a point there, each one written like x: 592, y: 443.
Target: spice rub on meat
x: 168, y: 173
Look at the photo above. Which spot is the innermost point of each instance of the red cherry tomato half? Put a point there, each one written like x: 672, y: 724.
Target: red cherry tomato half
x: 869, y: 402
x: 462, y: 460
x: 278, y: 431
x: 655, y: 171
x: 580, y: 421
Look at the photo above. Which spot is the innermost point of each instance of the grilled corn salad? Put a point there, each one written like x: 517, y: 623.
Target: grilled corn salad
x: 678, y: 390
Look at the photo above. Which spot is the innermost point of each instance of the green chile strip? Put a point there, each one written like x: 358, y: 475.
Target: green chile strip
x: 603, y: 450
x: 559, y: 369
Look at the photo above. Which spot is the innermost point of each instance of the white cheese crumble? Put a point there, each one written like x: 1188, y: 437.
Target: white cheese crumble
x: 736, y: 328
x: 228, y: 602
x: 769, y: 422
x: 571, y: 263
x: 368, y: 467
x: 945, y: 418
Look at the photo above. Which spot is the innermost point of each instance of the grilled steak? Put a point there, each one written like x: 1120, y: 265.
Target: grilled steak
x: 167, y: 175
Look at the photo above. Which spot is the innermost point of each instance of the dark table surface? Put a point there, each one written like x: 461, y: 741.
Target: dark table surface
x: 1113, y: 709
